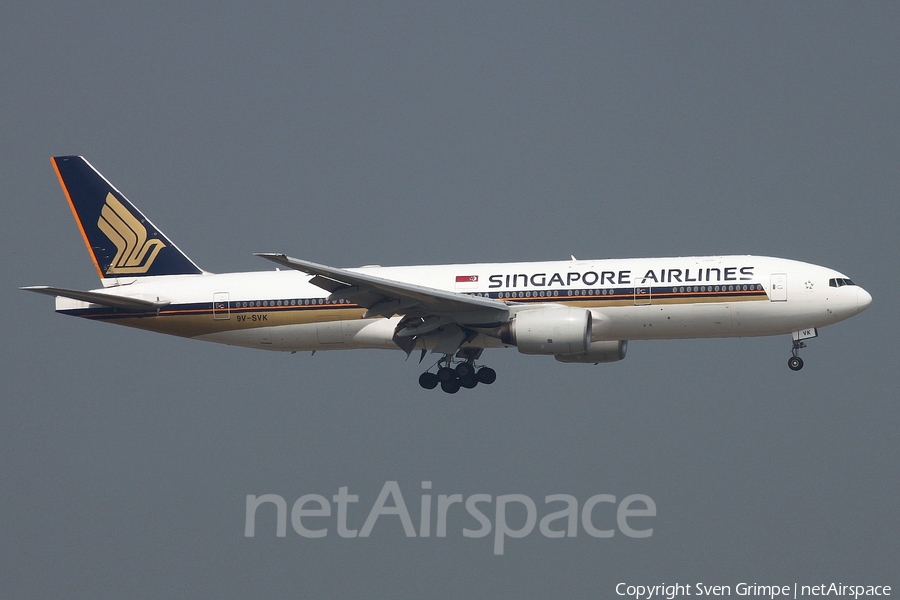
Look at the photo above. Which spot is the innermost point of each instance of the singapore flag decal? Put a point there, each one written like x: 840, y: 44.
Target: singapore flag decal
x: 467, y: 282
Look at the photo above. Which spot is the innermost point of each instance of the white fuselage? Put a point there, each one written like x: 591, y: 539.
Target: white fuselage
x: 630, y: 299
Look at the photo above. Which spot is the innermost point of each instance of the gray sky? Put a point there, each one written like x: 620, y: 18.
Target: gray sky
x: 409, y: 134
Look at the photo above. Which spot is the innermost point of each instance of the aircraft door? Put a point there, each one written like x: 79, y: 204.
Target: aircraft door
x: 221, y: 306
x: 642, y: 293
x: 778, y: 290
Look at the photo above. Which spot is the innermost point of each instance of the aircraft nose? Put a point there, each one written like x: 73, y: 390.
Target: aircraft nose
x: 863, y: 300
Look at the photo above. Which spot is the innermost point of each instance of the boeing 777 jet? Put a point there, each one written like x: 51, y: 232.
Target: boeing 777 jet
x: 578, y: 311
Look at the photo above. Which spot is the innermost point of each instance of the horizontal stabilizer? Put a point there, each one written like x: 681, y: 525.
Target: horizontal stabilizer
x: 110, y: 300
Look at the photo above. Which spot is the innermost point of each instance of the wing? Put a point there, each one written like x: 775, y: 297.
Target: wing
x: 425, y: 309
x: 386, y: 297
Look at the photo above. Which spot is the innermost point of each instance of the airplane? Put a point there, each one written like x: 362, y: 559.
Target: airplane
x: 578, y: 311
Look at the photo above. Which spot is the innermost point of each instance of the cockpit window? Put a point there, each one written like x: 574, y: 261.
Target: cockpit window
x: 839, y: 282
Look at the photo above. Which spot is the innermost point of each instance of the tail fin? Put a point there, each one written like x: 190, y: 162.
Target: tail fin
x: 121, y: 241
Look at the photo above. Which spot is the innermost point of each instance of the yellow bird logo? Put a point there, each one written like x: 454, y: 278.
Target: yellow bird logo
x: 134, y: 252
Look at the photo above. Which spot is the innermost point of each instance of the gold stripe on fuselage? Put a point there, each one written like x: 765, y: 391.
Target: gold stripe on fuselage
x: 195, y: 322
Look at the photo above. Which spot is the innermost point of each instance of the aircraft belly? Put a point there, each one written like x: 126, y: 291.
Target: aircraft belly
x: 332, y: 335
x: 708, y: 320
x: 648, y: 322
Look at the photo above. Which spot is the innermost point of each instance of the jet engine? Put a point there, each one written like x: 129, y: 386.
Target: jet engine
x: 551, y: 330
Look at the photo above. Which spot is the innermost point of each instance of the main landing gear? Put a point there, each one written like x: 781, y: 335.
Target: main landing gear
x: 463, y: 375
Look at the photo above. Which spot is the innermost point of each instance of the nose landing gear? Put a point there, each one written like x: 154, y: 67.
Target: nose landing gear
x: 795, y: 363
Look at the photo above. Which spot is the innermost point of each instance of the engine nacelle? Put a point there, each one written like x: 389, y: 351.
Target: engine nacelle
x: 599, y: 352
x: 551, y: 330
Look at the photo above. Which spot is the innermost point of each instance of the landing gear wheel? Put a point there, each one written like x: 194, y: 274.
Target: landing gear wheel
x: 466, y: 374
x: 486, y: 375
x: 446, y: 374
x: 451, y: 386
x: 468, y: 382
x: 429, y: 381
x: 465, y: 370
x: 795, y: 363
